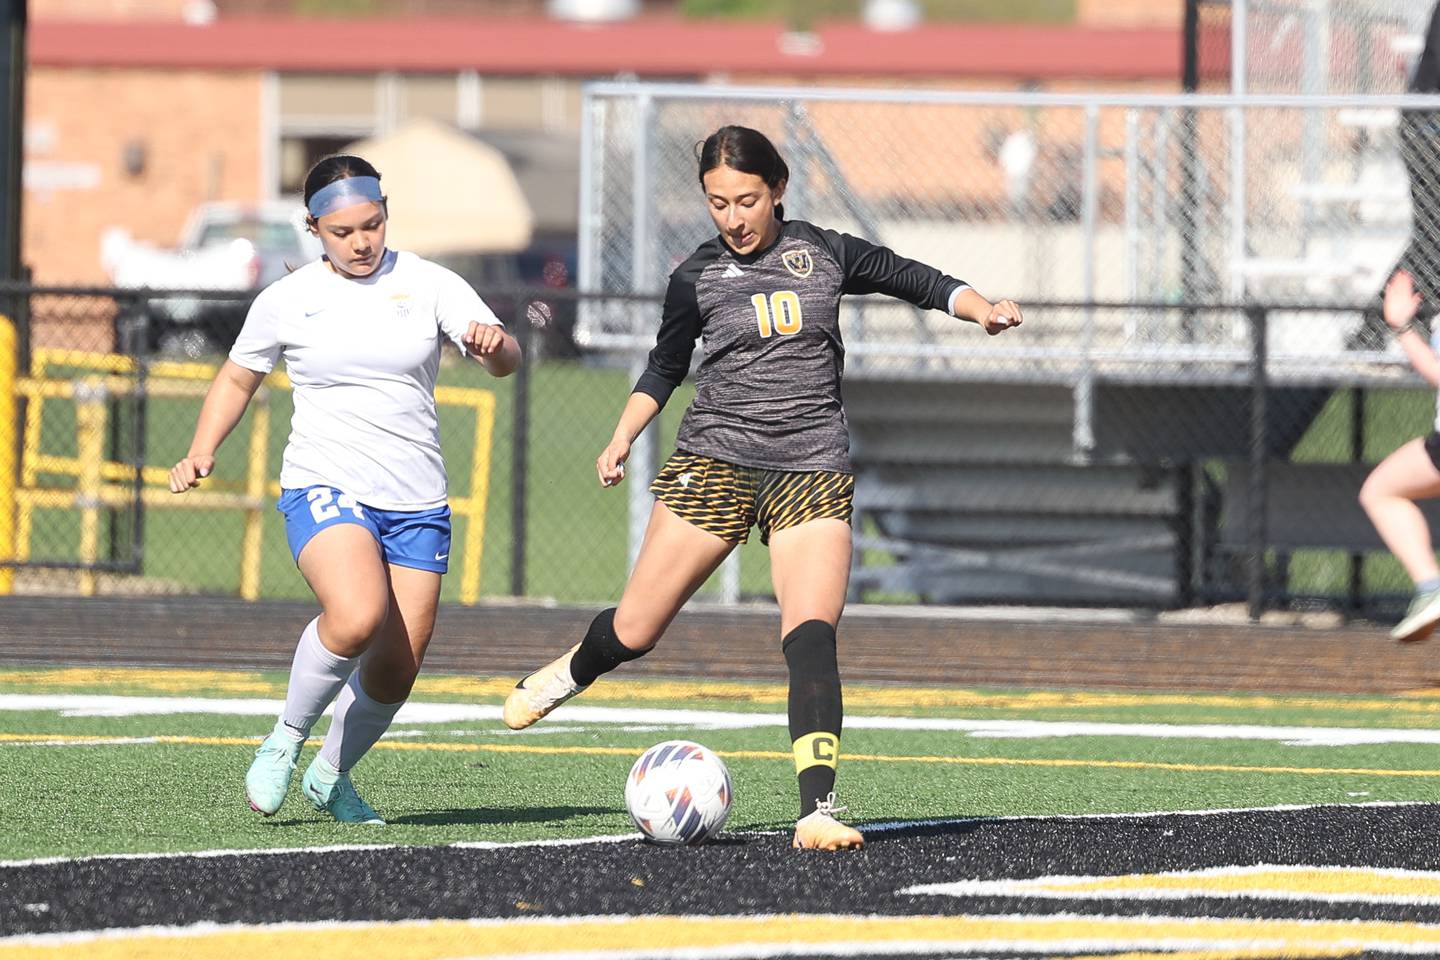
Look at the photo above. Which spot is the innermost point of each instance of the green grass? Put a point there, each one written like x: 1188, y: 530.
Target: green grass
x: 473, y: 780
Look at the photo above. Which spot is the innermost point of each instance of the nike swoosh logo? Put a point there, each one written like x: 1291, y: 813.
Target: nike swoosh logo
x: 441, y: 556
x: 311, y: 313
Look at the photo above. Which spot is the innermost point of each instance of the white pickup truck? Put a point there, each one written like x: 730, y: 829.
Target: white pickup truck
x: 233, y: 249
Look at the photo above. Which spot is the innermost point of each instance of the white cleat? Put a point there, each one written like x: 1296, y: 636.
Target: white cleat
x: 819, y: 830
x: 541, y: 692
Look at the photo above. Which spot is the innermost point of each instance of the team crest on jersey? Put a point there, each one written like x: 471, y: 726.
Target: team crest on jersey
x: 798, y: 262
x: 402, y: 305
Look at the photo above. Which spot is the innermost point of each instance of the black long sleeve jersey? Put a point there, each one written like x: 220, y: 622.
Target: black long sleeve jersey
x: 767, y: 393
x: 1426, y: 78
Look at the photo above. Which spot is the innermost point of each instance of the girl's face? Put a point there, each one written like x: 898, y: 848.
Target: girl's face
x: 743, y: 208
x: 353, y: 238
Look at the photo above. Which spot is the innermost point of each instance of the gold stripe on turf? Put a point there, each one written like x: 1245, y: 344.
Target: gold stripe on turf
x: 432, y: 940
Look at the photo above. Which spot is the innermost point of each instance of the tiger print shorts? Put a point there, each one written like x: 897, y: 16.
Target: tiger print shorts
x: 727, y: 499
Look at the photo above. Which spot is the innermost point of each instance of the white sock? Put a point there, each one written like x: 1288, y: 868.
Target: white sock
x: 359, y: 721
x: 316, y: 676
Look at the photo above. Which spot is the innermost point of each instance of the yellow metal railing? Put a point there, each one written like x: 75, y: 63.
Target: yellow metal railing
x: 101, y: 484
x: 9, y: 354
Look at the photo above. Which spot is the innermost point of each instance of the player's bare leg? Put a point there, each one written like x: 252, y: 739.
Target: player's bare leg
x: 810, y: 566
x: 675, y: 559
x: 375, y: 693
x: 342, y: 564
x: 1389, y: 496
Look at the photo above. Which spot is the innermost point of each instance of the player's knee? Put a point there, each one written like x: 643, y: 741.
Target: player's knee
x: 1371, y: 492
x: 810, y: 650
x: 352, y: 627
x: 633, y: 636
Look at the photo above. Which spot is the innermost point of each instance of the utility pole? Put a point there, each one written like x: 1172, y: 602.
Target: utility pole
x: 12, y: 133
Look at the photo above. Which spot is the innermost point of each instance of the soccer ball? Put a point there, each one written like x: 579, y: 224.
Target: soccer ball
x: 678, y: 792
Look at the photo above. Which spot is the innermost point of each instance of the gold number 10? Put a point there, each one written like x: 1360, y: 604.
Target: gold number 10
x: 783, y: 306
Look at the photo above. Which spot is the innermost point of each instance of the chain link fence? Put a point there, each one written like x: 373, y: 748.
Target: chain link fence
x: 1199, y: 389
x: 1161, y: 475
x: 1309, y: 47
x: 1185, y: 418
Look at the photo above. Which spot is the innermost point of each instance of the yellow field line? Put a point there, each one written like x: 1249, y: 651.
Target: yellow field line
x: 409, y: 745
x: 1209, y: 938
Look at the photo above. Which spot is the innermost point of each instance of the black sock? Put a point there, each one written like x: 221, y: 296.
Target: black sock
x: 601, y: 651
x: 815, y: 709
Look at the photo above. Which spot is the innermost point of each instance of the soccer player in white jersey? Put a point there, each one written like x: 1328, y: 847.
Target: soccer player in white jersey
x: 364, y: 487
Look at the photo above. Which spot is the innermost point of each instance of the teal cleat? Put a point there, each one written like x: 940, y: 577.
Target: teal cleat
x: 268, y: 779
x: 330, y: 790
x: 1420, y: 619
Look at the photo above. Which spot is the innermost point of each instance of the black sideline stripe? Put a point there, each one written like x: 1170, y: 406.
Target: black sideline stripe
x: 740, y: 874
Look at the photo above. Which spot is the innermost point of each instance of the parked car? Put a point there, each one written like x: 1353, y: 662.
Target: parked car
x: 233, y: 249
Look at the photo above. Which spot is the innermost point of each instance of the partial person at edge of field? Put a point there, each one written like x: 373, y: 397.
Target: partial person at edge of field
x: 765, y: 443
x: 1410, y: 473
x: 1419, y: 141
x: 363, y: 480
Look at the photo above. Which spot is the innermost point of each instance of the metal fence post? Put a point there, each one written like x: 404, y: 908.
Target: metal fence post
x: 1259, y: 388
x: 1083, y: 431
x: 641, y: 465
x: 520, y: 453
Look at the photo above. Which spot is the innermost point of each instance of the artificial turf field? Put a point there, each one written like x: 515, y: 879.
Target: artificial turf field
x: 1001, y: 823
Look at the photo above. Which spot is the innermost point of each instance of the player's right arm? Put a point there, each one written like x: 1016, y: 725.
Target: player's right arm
x: 1401, y: 305
x: 224, y: 405
x: 669, y: 362
x: 256, y: 351
x: 639, y: 410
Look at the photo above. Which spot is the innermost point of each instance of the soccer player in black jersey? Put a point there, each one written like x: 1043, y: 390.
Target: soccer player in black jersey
x: 763, y: 444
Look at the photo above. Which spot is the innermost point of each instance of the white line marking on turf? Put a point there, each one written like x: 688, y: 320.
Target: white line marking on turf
x: 1072, y: 887
x: 87, y: 705
x: 896, y: 826
x: 333, y: 848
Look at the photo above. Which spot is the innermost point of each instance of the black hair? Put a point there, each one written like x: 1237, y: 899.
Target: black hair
x: 339, y: 166
x: 746, y: 150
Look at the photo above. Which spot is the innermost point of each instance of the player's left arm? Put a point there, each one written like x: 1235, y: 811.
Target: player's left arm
x: 497, y: 351
x: 870, y: 268
x: 472, y: 325
x: 997, y: 317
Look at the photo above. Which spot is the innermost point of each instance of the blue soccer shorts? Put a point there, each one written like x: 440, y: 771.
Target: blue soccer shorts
x: 419, y: 539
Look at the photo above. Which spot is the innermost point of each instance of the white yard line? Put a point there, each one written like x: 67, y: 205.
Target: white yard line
x: 91, y: 705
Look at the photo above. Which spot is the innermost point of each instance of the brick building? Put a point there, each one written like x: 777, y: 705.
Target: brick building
x: 137, y: 110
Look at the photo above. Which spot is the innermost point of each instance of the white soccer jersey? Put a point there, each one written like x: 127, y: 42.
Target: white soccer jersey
x: 362, y: 355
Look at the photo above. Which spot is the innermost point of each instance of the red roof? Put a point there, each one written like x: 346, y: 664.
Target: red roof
x: 664, y: 47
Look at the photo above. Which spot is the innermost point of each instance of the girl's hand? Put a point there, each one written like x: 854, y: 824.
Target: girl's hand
x: 1401, y: 301
x: 610, y: 465
x: 1003, y: 315
x: 189, y: 472
x: 483, y: 339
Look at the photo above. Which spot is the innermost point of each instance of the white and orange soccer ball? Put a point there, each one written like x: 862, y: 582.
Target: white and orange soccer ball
x: 679, y: 792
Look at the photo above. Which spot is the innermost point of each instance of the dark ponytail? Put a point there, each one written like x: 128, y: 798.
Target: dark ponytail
x: 745, y: 150
x: 338, y: 166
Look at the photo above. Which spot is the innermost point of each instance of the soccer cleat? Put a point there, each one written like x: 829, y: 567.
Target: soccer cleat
x: 268, y: 779
x: 819, y: 830
x: 542, y: 691
x: 330, y: 790
x: 1420, y: 618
